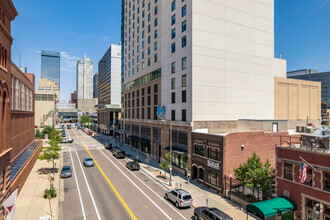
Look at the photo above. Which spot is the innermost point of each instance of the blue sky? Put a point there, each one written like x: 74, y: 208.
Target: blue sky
x: 75, y: 27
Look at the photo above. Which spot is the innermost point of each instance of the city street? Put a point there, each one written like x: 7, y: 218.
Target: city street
x: 109, y: 190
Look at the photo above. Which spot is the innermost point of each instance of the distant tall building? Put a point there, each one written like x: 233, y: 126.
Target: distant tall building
x: 73, y: 97
x: 96, y: 85
x: 47, y: 85
x: 85, y: 78
x: 50, y: 66
x: 110, y: 76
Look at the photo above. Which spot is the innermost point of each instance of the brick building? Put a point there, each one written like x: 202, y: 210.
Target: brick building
x: 18, y: 150
x: 313, y: 196
x: 215, y: 156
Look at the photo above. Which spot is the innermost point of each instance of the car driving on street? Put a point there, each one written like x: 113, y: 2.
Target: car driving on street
x: 210, y: 214
x: 88, y: 162
x: 133, y: 165
x: 180, y: 197
x: 67, y: 140
x: 66, y: 172
x: 119, y: 153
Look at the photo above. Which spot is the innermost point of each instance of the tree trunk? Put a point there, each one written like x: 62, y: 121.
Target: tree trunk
x: 50, y: 205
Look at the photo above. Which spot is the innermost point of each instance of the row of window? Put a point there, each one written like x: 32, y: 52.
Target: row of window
x: 183, y: 115
x: 288, y: 174
x: 21, y: 96
x: 3, y: 57
x: 211, y: 152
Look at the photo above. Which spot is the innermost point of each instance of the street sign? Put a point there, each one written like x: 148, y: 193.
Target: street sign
x: 10, y: 204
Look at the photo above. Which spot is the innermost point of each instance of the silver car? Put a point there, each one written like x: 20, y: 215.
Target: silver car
x: 66, y: 172
x: 88, y: 162
x: 180, y: 197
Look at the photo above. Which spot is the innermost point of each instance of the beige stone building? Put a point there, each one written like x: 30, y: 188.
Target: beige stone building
x: 45, y: 108
x: 108, y: 118
x: 46, y: 85
x: 297, y: 99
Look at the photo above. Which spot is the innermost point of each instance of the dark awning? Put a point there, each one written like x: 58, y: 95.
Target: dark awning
x: 144, y: 140
x: 272, y: 207
x: 176, y: 150
x: 133, y: 137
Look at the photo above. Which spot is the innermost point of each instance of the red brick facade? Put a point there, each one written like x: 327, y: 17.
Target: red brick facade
x: 316, y: 189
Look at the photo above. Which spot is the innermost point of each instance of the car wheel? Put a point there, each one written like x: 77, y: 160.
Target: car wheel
x: 177, y: 204
x: 166, y: 196
x: 196, y: 217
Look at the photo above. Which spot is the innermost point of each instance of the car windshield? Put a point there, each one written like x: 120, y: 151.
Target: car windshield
x: 186, y: 197
x: 66, y: 168
x: 88, y: 159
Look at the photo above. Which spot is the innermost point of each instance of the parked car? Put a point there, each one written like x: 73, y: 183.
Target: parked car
x: 68, y: 126
x: 119, y: 153
x: 210, y: 214
x: 90, y: 133
x: 108, y: 146
x: 67, y: 140
x: 180, y: 197
x: 88, y: 162
x: 66, y: 172
x: 133, y: 165
x: 63, y: 133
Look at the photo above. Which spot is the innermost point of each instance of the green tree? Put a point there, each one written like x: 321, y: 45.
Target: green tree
x: 38, y: 135
x: 47, y: 130
x: 254, y: 174
x: 165, y: 163
x: 84, y: 119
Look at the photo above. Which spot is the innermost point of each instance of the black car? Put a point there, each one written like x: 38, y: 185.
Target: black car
x: 207, y: 213
x: 118, y: 153
x: 133, y: 165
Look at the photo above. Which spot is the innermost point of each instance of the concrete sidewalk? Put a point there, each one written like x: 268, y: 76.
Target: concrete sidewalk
x: 30, y: 203
x: 202, y: 196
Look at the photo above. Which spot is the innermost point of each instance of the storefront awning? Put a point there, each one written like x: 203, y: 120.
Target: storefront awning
x: 272, y: 207
x: 176, y: 150
x: 143, y: 140
x: 133, y: 137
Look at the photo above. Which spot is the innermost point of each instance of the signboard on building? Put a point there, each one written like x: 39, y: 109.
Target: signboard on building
x: 213, y: 164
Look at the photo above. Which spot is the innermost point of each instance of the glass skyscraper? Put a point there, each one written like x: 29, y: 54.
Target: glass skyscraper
x: 50, y: 66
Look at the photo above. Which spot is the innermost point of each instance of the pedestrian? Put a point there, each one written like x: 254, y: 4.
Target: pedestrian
x: 188, y: 176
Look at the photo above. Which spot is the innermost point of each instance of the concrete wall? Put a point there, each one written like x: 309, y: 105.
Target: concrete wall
x: 297, y: 99
x: 233, y: 64
x: 43, y: 108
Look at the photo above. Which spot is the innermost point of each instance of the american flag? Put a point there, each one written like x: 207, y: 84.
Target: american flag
x: 303, y: 174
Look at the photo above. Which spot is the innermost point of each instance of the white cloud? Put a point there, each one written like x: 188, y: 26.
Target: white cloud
x: 68, y: 63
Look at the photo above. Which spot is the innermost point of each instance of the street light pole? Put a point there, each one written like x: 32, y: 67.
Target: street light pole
x: 170, y: 184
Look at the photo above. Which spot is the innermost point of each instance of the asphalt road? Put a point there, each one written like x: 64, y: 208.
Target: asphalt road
x: 109, y: 190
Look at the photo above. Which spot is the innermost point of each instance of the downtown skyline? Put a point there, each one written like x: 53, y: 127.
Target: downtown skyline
x: 66, y: 35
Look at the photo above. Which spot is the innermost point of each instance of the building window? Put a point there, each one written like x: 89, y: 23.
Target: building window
x: 183, y: 26
x: 173, y: 115
x: 173, y: 97
x: 149, y: 113
x: 156, y: 34
x: 184, y: 63
x: 149, y: 100
x: 288, y: 171
x: 184, y: 10
x: 173, y: 19
x: 173, y: 33
x: 155, y: 88
x: 309, y: 178
x: 173, y: 67
x: 155, y: 58
x: 173, y: 83
x: 173, y: 5
x: 184, y: 96
x: 327, y: 181
x: 142, y: 113
x: 184, y: 80
x: 184, y: 41
x: 184, y: 115
x: 173, y: 48
x: 142, y: 104
x: 212, y: 177
x: 199, y: 149
x: 155, y: 99
x: 201, y: 174
x: 213, y: 153
x: 149, y: 90
x: 156, y: 22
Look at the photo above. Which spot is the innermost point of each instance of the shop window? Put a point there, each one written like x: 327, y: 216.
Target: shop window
x: 213, y: 153
x: 199, y: 149
x: 212, y: 177
x: 201, y: 174
x: 288, y: 171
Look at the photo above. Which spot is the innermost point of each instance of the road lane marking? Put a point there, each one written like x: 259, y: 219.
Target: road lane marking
x: 112, y: 187
x: 75, y: 133
x: 168, y: 217
x: 89, y: 189
x: 75, y: 176
x: 162, y: 199
x: 69, y: 136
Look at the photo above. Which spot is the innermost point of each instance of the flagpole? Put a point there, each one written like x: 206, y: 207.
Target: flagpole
x: 308, y: 163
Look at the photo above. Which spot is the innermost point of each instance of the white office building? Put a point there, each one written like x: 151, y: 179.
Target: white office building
x: 85, y: 78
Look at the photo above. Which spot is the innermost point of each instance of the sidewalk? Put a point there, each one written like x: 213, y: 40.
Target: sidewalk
x: 199, y: 193
x: 30, y: 203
